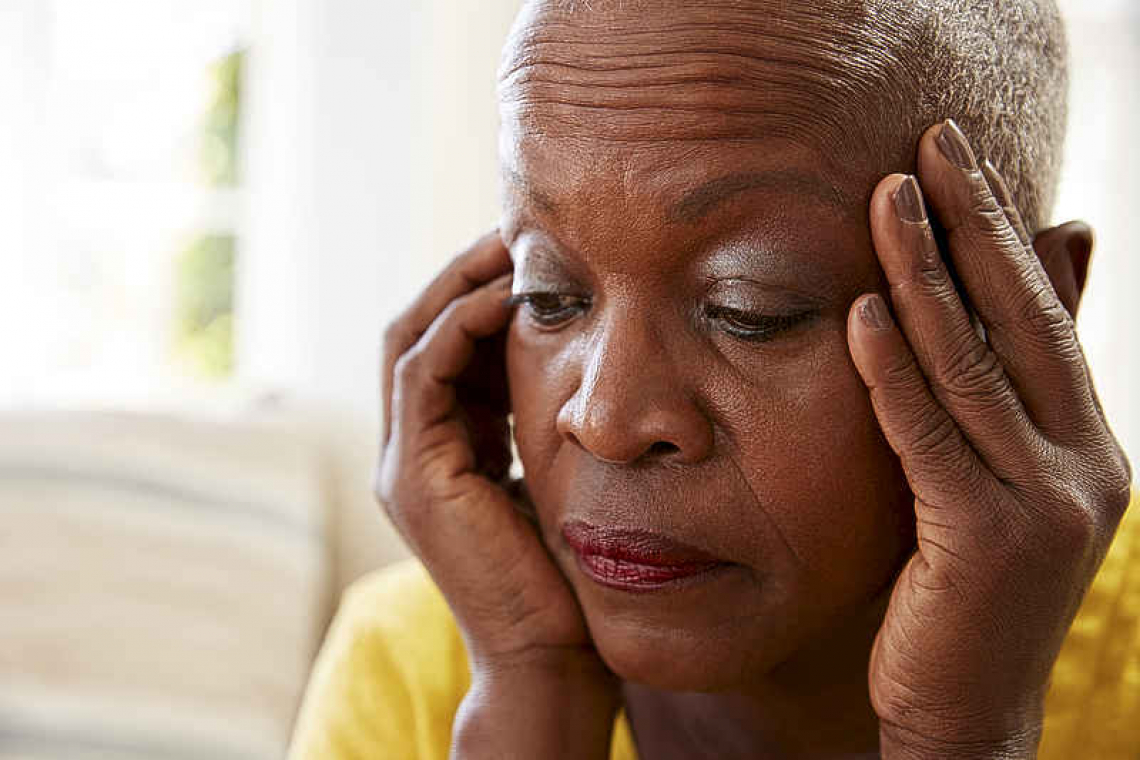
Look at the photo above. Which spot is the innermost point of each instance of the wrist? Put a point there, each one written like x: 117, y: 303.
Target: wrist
x: 549, y: 703
x: 899, y: 743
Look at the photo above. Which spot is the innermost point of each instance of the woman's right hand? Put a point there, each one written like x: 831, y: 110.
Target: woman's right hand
x: 442, y: 477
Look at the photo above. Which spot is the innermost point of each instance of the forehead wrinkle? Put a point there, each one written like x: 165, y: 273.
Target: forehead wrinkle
x: 834, y: 40
x: 698, y: 202
x: 803, y: 76
x: 669, y: 78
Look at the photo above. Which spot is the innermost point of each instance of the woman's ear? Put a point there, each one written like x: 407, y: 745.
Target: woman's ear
x: 1065, y: 252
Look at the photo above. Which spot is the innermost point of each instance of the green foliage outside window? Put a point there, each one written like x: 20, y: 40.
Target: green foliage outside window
x: 205, y: 299
x: 204, y: 271
x: 218, y: 153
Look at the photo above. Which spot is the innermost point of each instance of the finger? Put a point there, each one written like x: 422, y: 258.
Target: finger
x: 963, y: 374
x: 424, y: 393
x: 486, y: 259
x: 1027, y: 326
x: 1004, y: 197
x: 940, y: 465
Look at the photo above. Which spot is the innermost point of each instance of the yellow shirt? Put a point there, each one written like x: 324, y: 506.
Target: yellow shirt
x: 393, y: 670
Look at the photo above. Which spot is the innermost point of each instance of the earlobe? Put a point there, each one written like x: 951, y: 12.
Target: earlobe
x: 1065, y: 252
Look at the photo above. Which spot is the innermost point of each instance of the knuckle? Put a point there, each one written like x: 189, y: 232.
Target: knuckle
x: 973, y: 372
x: 464, y: 302
x: 926, y: 281
x: 457, y: 306
x: 1068, y: 525
x: 1039, y: 309
x: 393, y: 498
x: 988, y: 218
x: 1042, y: 462
x: 937, y: 439
x: 1074, y: 533
x: 451, y: 315
x: 456, y: 275
x: 932, y: 283
x: 1117, y: 491
x: 901, y: 374
x: 1105, y: 476
x: 395, y: 337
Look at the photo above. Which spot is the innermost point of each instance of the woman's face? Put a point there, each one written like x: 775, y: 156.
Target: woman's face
x: 680, y: 371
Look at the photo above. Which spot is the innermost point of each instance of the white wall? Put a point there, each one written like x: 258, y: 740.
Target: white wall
x: 23, y: 90
x: 372, y: 160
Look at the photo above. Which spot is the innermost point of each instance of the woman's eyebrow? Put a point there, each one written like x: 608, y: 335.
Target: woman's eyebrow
x: 701, y: 200
x: 698, y: 202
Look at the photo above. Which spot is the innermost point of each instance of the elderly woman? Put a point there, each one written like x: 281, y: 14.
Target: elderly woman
x: 813, y: 465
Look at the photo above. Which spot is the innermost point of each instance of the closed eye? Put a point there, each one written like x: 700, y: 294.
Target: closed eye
x: 755, y: 328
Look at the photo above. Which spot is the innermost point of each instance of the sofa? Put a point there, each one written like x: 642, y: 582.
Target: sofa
x: 166, y: 579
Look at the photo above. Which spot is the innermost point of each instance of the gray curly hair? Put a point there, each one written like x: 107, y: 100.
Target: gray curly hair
x: 998, y: 67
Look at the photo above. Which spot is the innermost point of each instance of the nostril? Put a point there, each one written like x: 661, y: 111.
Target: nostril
x: 661, y: 448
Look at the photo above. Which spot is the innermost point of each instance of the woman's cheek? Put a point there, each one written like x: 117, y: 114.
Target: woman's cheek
x: 838, y: 493
x: 806, y: 439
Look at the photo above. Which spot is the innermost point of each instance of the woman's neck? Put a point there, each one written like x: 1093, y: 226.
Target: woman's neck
x: 815, y: 705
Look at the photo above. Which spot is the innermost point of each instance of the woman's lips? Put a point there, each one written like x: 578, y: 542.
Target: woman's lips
x: 635, y: 560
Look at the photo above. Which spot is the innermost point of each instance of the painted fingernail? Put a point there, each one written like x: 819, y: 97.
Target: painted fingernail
x: 956, y: 147
x: 997, y: 184
x: 873, y: 312
x: 908, y: 201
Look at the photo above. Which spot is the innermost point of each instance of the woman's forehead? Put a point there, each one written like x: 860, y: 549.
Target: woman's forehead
x: 697, y: 74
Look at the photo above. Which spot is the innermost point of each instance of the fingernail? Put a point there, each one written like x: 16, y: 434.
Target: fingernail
x: 908, y: 202
x: 873, y: 312
x: 956, y: 147
x: 997, y: 184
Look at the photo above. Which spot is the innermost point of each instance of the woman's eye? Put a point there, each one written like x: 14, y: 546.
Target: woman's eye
x: 551, y: 309
x: 754, y: 327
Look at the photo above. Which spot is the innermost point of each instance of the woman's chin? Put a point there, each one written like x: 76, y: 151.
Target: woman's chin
x: 683, y: 660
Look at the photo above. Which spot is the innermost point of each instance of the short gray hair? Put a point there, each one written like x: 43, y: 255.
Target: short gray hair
x: 998, y: 67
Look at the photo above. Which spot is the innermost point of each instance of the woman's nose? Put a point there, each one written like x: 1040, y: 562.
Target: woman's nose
x: 632, y: 403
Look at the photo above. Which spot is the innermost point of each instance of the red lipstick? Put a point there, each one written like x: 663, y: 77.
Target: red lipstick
x: 635, y: 560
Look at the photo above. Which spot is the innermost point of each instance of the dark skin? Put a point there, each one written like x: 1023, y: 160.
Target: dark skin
x: 912, y: 513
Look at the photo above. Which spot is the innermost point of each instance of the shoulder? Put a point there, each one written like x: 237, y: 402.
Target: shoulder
x: 389, y: 676
x: 1095, y: 692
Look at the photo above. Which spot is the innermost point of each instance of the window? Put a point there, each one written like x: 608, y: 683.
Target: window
x: 129, y: 193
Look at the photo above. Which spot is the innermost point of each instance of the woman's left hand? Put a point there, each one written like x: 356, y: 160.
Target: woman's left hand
x: 1019, y: 484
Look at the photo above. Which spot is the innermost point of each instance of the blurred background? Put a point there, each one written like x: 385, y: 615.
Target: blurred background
x: 208, y: 210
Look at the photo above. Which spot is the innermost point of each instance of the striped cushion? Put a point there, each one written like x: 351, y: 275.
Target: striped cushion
x: 163, y: 585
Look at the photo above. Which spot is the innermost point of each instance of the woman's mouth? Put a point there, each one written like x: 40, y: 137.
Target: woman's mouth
x: 635, y: 560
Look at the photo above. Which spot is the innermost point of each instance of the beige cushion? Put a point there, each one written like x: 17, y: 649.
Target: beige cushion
x: 165, y: 582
